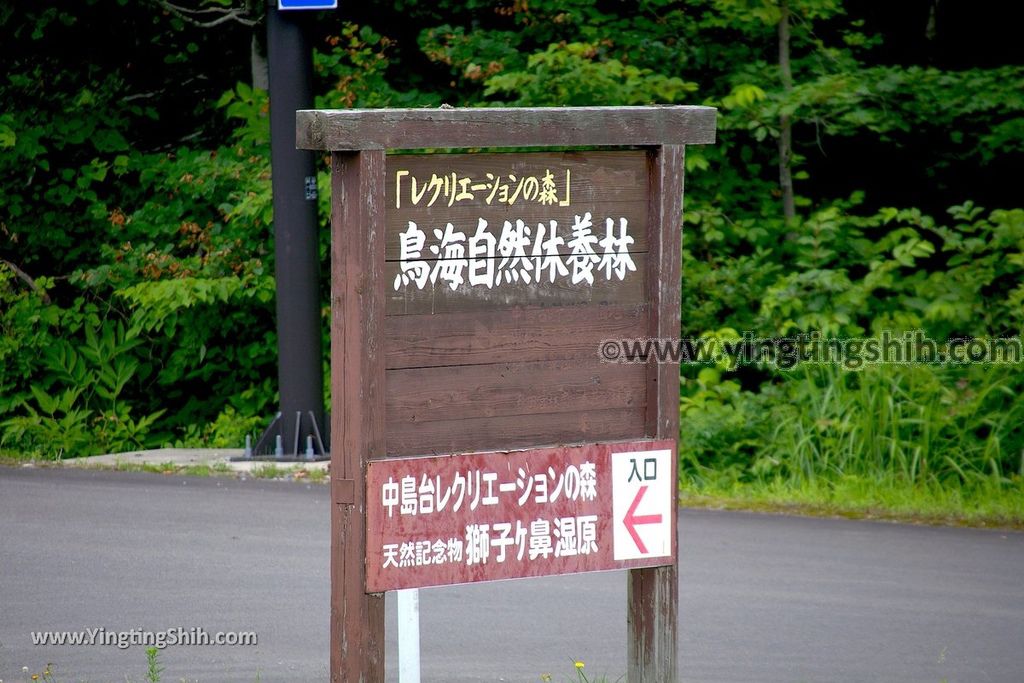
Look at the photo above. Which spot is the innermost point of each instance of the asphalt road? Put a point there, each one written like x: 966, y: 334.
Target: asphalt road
x: 763, y: 598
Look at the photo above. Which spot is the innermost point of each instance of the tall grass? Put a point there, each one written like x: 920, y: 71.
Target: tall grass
x: 941, y: 439
x: 914, y: 424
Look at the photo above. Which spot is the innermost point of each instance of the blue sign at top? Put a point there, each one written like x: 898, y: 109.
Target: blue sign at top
x: 307, y: 4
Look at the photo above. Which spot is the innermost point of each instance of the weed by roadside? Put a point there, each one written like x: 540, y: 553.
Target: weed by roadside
x: 579, y: 676
x: 290, y: 472
x: 153, y: 667
x: 298, y: 473
x: 154, y: 672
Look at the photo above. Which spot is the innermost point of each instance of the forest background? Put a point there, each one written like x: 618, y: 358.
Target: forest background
x: 866, y: 179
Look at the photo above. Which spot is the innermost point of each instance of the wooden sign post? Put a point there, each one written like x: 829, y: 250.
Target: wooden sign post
x: 477, y: 432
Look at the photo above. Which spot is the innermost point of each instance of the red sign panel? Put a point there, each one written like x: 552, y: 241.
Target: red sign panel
x: 444, y: 520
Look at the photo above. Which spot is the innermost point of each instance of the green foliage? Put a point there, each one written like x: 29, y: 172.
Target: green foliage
x: 136, y: 281
x: 77, y: 406
x: 24, y: 318
x: 147, y: 253
x: 578, y: 74
x: 354, y: 65
x: 911, y: 424
x: 847, y: 276
x: 227, y: 430
x: 183, y: 259
x: 979, y: 112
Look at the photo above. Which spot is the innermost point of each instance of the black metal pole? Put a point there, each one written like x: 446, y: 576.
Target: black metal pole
x: 297, y: 263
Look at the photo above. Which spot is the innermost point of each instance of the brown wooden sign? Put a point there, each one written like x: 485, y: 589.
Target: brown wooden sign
x: 470, y: 293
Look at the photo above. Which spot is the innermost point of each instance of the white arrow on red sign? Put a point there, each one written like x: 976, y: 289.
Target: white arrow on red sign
x: 633, y: 520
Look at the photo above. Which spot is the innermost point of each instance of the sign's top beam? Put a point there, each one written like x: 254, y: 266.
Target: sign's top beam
x: 359, y: 129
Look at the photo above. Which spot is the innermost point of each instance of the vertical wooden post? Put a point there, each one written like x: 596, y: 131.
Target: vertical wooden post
x: 652, y: 616
x: 357, y: 415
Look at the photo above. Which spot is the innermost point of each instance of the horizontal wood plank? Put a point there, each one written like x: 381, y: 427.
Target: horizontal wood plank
x: 419, y: 395
x: 514, y: 431
x: 354, y: 129
x: 515, y: 335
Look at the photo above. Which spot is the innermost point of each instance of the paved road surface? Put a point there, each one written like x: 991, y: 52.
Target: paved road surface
x: 763, y: 598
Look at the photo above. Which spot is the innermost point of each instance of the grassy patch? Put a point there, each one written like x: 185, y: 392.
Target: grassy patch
x: 266, y: 471
x: 207, y: 469
x: 16, y: 459
x: 156, y: 468
x: 922, y: 443
x: 317, y: 476
x: 269, y: 471
x: 201, y: 470
x: 10, y: 458
x: 296, y: 472
x: 995, y: 505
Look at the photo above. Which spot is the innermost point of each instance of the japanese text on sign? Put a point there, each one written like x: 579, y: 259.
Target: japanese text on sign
x: 492, y: 189
x: 537, y: 539
x: 519, y: 252
x: 480, y: 488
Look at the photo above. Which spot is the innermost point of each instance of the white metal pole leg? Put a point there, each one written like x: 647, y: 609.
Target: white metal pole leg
x: 408, y: 635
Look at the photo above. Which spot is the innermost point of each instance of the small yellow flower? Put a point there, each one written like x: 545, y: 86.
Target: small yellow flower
x: 35, y: 677
x: 579, y: 664
x: 543, y: 677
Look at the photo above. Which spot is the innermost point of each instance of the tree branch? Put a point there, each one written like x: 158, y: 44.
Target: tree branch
x: 27, y: 279
x: 224, y: 15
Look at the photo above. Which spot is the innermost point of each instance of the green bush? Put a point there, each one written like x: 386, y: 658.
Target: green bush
x: 136, y: 281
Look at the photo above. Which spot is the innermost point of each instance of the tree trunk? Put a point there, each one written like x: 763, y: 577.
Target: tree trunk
x: 785, y: 130
x: 260, y: 69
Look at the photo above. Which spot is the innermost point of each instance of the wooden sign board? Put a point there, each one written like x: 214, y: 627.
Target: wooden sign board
x: 477, y: 434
